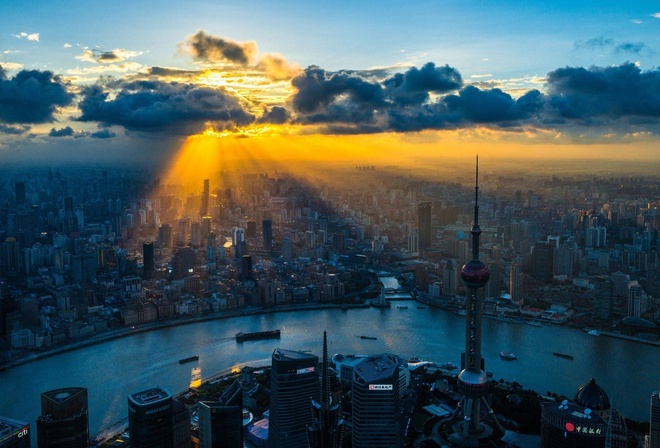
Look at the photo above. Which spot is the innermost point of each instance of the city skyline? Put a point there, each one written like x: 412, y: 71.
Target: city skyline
x: 271, y: 83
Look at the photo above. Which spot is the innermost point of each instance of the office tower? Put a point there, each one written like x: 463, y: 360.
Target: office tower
x: 587, y: 422
x: 19, y: 194
x: 237, y: 236
x: 338, y: 242
x: 195, y: 234
x: 221, y: 422
x: 603, y: 297
x: 246, y: 268
x: 204, y: 210
x: 70, y: 220
x: 377, y: 403
x: 14, y: 434
x: 472, y: 381
x: 654, y: 421
x: 165, y: 235
x: 206, y: 226
x: 150, y: 418
x: 287, y: 248
x: 267, y: 229
x: 148, y: 260
x: 635, y: 304
x: 516, y: 284
x: 493, y: 288
x: 64, y: 422
x: 293, y: 382
x: 413, y: 242
x: 424, y: 224
x: 542, y: 261
x: 327, y: 431
x: 251, y: 229
x: 181, y: 433
x: 182, y: 235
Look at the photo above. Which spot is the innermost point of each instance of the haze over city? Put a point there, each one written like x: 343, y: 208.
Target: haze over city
x: 216, y: 217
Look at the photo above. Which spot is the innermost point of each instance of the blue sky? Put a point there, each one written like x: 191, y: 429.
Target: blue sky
x: 510, y: 46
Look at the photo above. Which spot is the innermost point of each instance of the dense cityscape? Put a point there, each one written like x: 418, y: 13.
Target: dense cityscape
x: 95, y: 254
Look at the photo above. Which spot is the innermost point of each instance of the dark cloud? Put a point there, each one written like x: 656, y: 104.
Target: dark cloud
x: 13, y: 129
x: 104, y: 133
x: 64, y: 132
x: 205, y: 47
x: 275, y: 115
x: 419, y: 99
x: 609, y: 92
x: 414, y: 86
x: 32, y: 96
x: 631, y: 47
x: 595, y: 43
x: 168, y: 72
x: 156, y: 106
x: 317, y: 90
x: 108, y: 56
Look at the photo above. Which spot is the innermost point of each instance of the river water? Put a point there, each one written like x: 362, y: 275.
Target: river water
x: 629, y: 371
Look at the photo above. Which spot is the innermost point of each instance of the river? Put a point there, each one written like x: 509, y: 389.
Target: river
x: 111, y: 370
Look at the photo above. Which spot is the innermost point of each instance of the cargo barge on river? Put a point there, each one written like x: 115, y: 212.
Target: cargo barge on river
x: 270, y: 334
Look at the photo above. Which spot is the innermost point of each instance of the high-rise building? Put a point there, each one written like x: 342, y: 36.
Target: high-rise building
x: 19, y: 194
x: 14, y: 434
x: 165, y: 235
x: 588, y: 422
x: 293, y: 383
x: 148, y: 260
x: 204, y: 210
x: 603, y: 297
x: 267, y: 229
x: 64, y: 422
x: 516, y: 284
x: 251, y: 229
x: 413, y: 241
x: 424, y: 224
x: 221, y: 422
x: 246, y: 268
x: 635, y: 302
x: 327, y: 431
x: 654, y: 421
x: 542, y: 261
x: 470, y: 431
x: 377, y: 403
x: 195, y: 234
x: 287, y: 248
x: 150, y: 420
x: 338, y: 242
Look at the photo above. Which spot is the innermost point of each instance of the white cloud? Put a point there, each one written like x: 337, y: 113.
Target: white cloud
x: 636, y: 21
x: 485, y: 75
x: 66, y: 45
x: 11, y: 65
x: 23, y: 35
x: 118, y: 68
x: 656, y: 15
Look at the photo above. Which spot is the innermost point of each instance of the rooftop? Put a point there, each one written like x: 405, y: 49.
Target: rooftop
x: 149, y: 396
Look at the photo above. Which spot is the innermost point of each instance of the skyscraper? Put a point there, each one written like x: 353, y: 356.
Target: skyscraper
x: 64, y: 422
x: 267, y: 229
x: 654, y: 421
x: 221, y: 422
x: 516, y: 284
x: 327, y: 431
x: 377, y: 403
x: 424, y: 224
x: 148, y: 260
x: 246, y: 268
x: 19, y: 194
x: 293, y: 383
x: 150, y: 418
x: 14, y: 434
x: 472, y: 381
x: 204, y: 210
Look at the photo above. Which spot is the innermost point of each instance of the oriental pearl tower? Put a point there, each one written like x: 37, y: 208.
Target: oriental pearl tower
x: 470, y: 431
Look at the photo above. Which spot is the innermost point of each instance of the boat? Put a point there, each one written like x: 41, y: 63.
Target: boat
x: 508, y: 356
x: 414, y: 360
x: 372, y: 338
x: 402, y: 307
x: 534, y: 323
x: 189, y: 359
x: 563, y: 355
x: 240, y: 337
x: 593, y: 332
x: 422, y: 307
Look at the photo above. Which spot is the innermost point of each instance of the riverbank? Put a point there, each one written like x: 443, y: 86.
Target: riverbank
x: 129, y: 331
